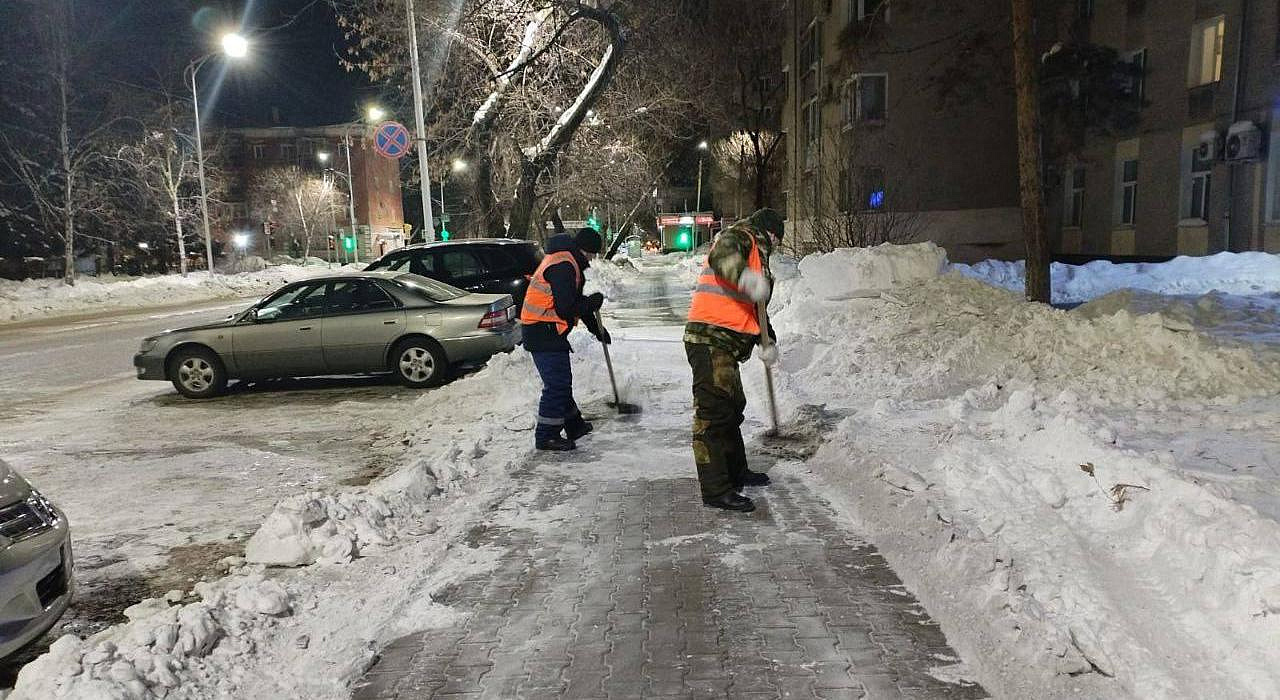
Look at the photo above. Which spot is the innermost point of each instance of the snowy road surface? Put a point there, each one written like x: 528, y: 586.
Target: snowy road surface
x: 159, y: 488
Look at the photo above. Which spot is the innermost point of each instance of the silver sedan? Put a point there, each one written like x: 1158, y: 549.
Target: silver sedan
x: 355, y: 323
x: 35, y: 562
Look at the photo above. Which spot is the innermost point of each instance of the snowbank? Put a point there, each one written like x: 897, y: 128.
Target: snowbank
x: 861, y: 272
x: 20, y: 301
x: 1230, y: 273
x: 998, y: 452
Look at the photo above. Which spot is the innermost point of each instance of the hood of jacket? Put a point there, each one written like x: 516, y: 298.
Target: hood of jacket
x: 562, y: 242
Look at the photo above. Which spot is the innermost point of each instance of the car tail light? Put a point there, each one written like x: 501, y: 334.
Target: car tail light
x: 493, y: 319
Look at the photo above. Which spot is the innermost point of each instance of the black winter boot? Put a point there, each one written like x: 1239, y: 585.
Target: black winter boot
x: 555, y: 443
x: 730, y: 501
x: 577, y: 429
x: 750, y: 478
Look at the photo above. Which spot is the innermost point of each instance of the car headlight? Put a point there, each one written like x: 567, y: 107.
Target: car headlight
x: 148, y: 344
x: 27, y: 518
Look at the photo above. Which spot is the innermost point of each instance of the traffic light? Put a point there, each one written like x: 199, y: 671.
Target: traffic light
x: 331, y: 247
x: 349, y: 243
x: 684, y: 238
x: 444, y: 234
x: 593, y: 222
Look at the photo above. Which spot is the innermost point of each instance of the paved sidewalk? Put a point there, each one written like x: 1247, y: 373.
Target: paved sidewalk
x: 640, y: 591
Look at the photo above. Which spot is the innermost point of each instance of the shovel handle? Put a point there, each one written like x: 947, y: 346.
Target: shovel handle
x: 608, y: 361
x: 766, y: 341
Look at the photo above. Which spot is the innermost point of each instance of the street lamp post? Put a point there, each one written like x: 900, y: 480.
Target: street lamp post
x: 424, y: 177
x: 702, y: 148
x: 234, y: 46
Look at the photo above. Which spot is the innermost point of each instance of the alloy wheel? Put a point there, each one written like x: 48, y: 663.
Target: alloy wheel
x: 196, y: 374
x: 416, y: 364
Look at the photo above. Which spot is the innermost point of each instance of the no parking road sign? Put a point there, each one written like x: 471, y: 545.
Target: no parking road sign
x: 391, y: 139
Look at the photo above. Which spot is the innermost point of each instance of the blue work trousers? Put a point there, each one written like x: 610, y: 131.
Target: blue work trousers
x: 557, y: 407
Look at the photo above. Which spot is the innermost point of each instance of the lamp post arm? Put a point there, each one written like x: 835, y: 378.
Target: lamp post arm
x: 194, y: 67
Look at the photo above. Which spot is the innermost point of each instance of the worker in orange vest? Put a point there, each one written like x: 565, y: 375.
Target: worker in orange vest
x: 723, y: 328
x: 553, y: 305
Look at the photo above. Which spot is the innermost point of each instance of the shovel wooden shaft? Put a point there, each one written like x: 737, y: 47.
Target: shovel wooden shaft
x: 766, y: 341
x: 608, y: 362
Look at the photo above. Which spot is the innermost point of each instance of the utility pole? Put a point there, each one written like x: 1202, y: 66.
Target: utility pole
x: 424, y: 178
x: 1030, y: 190
x: 351, y: 192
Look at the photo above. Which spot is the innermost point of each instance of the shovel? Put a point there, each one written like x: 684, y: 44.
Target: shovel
x: 766, y: 341
x: 623, y: 407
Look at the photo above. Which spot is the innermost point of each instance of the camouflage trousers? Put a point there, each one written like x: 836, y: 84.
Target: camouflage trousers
x: 718, y: 403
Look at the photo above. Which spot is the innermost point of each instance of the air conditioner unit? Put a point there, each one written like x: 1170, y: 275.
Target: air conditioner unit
x: 1244, y: 142
x: 1209, y: 146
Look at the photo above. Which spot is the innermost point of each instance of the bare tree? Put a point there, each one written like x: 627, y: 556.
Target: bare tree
x: 1031, y: 191
x: 302, y: 204
x: 55, y: 154
x: 161, y: 167
x: 860, y: 212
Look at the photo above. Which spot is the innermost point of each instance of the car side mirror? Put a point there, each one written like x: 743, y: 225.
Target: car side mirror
x: 253, y: 316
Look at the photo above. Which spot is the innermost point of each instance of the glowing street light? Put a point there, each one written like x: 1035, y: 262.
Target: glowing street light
x: 144, y: 246
x: 241, y: 241
x: 323, y: 156
x: 233, y: 46
x: 375, y: 113
x: 459, y: 165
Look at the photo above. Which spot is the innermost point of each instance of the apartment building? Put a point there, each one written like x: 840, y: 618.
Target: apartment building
x: 1195, y: 175
x: 375, y: 181
x: 901, y: 126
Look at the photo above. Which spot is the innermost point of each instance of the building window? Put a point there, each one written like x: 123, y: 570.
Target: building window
x: 1273, y: 171
x: 1135, y: 78
x: 288, y: 152
x: 872, y: 188
x: 1201, y: 182
x: 811, y: 109
x: 259, y: 151
x: 1205, y: 65
x: 1074, y: 215
x: 1128, y: 191
x: 307, y: 148
x: 870, y: 92
x: 860, y: 10
x: 1084, y: 8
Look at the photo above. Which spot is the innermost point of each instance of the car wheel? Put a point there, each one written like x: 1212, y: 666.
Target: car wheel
x: 419, y: 362
x: 197, y: 373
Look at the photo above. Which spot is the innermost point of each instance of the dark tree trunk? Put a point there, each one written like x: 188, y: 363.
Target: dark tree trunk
x: 1031, y: 192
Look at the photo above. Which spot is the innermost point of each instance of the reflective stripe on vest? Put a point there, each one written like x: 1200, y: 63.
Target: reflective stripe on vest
x: 719, y: 302
x: 539, y: 301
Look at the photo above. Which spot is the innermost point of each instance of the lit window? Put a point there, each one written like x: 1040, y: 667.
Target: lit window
x: 1205, y: 65
x: 873, y: 188
x: 1074, y: 215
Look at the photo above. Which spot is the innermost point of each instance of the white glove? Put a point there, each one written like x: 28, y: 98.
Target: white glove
x: 754, y: 284
x: 769, y: 354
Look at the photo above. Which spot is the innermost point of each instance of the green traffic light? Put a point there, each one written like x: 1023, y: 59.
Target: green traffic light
x: 444, y: 235
x: 349, y: 242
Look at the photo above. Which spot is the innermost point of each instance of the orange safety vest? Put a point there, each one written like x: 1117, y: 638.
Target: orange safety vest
x: 719, y: 302
x: 539, y: 303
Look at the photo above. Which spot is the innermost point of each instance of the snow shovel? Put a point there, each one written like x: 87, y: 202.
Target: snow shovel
x: 766, y: 341
x: 623, y: 407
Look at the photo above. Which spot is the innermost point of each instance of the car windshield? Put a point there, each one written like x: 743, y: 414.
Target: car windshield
x: 431, y: 289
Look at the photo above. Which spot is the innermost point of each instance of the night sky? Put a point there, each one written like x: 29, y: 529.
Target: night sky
x: 292, y: 66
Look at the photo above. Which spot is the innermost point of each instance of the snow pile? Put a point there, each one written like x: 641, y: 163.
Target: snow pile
x: 163, y: 648
x: 990, y: 446
x: 861, y: 272
x: 48, y: 297
x: 1250, y: 319
x: 611, y: 277
x: 1230, y: 273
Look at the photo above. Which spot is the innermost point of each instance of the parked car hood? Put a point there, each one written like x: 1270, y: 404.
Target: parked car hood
x: 13, y: 487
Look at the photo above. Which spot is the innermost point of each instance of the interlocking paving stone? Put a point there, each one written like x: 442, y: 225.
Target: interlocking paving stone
x: 649, y: 594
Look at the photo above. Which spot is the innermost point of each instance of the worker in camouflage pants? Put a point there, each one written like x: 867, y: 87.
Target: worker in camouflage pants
x: 722, y: 331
